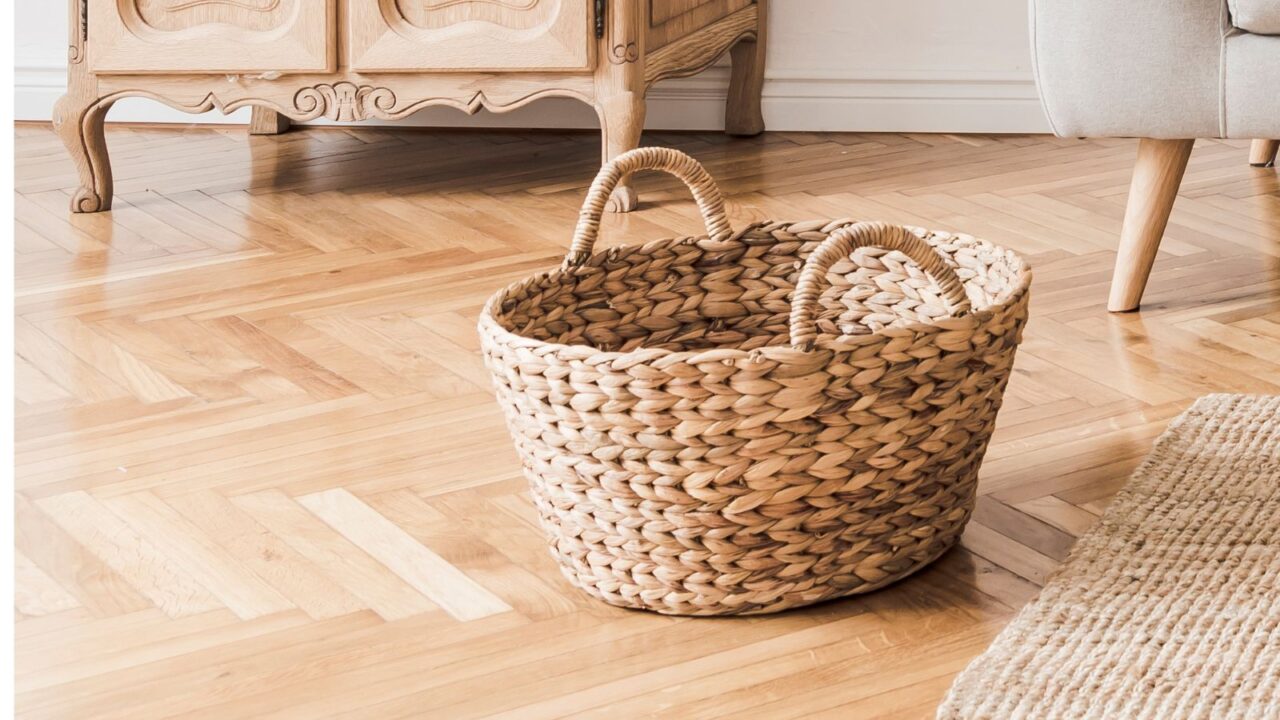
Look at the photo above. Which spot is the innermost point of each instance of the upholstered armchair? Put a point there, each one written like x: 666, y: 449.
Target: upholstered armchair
x: 1165, y: 71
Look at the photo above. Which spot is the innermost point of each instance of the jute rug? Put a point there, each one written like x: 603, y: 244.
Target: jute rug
x: 1170, y: 606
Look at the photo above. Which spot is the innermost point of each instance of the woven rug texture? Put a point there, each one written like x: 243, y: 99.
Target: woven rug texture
x: 1170, y: 606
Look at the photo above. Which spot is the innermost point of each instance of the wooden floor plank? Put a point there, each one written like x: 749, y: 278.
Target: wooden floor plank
x: 265, y: 554
x: 426, y: 571
x: 135, y: 558
x: 340, y: 559
x: 237, y: 587
x: 36, y: 593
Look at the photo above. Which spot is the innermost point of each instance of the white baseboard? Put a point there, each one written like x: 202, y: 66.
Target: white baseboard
x: 793, y: 100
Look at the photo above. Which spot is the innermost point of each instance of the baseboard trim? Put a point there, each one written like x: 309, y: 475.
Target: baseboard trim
x: 793, y: 101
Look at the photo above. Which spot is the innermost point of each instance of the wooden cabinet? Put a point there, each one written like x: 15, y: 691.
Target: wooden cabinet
x: 353, y: 60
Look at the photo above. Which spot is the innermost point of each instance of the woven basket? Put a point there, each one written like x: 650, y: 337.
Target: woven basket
x: 749, y: 421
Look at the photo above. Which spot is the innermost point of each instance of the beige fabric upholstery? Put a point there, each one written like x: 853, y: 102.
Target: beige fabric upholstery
x: 1261, y: 17
x: 1154, y: 68
x: 1251, y: 86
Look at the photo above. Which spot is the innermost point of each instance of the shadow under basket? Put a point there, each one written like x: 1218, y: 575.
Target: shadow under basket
x: 744, y: 422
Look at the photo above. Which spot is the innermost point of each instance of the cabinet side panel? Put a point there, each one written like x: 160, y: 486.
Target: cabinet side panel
x: 673, y: 19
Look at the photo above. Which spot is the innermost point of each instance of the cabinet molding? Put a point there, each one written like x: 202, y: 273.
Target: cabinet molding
x: 344, y: 101
x: 618, y: 72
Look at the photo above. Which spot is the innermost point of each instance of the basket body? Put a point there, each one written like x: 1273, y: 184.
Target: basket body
x: 686, y: 459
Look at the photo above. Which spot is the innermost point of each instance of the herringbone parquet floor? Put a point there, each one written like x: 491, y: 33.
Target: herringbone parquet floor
x: 260, y: 474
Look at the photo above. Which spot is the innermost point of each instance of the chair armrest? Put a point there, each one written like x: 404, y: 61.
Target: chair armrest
x: 1145, y: 68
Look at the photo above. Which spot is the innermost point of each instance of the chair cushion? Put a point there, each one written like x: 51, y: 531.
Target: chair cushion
x: 1251, y: 75
x: 1256, y: 16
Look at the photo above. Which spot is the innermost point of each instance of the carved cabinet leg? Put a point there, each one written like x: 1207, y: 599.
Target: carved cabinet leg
x: 742, y: 115
x: 265, y: 121
x: 78, y: 120
x: 621, y: 123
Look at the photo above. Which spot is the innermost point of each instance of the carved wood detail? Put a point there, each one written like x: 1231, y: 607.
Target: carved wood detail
x: 349, y: 101
x: 624, y: 36
x: 203, y: 37
x: 623, y: 53
x: 78, y: 23
x: 78, y: 118
x: 523, y: 15
x: 233, y: 17
x: 344, y: 101
x: 461, y: 35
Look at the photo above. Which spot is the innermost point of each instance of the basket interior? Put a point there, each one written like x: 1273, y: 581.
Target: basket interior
x: 696, y: 294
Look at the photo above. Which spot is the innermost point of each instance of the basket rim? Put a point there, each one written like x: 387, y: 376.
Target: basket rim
x: 825, y: 343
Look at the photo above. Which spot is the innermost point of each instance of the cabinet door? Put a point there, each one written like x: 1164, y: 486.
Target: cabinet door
x: 216, y: 36
x: 470, y: 34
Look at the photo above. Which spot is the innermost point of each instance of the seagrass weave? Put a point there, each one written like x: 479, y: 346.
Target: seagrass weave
x: 1169, y: 607
x: 743, y: 422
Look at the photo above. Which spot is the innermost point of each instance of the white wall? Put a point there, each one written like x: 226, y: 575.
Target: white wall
x: 909, y: 65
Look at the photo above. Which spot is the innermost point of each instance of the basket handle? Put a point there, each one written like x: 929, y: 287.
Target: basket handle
x: 705, y: 192
x: 839, y: 245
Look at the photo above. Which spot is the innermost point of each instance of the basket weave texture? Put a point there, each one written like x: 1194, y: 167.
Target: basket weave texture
x: 744, y: 422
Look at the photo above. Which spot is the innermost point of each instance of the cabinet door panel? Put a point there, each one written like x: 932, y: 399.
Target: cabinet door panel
x: 216, y: 36
x: 470, y: 34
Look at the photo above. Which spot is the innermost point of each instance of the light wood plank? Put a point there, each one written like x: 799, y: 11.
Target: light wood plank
x: 246, y: 594
x: 37, y: 594
x: 134, y: 557
x: 265, y: 554
x: 340, y: 559
x: 426, y: 571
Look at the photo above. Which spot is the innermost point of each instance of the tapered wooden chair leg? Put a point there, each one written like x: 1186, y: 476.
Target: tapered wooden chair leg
x: 1156, y: 177
x: 1262, y: 153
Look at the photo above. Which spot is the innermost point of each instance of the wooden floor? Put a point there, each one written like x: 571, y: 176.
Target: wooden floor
x: 260, y: 473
